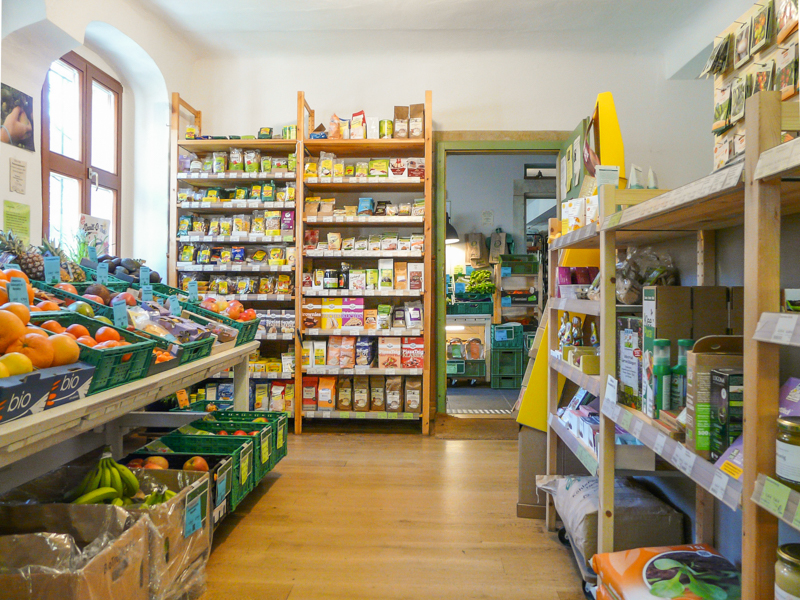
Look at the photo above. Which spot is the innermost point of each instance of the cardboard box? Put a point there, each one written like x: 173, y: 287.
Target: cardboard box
x: 713, y: 352
x: 412, y: 352
x: 353, y: 312
x: 389, y: 352
x: 629, y: 361
x: 332, y: 313
x: 23, y: 395
x: 727, y: 406
x: 709, y: 311
x: 666, y: 314
x: 736, y: 311
x: 121, y: 570
x: 312, y: 314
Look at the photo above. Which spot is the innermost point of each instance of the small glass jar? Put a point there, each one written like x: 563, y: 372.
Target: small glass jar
x: 787, y: 457
x: 331, y: 280
x: 787, y: 573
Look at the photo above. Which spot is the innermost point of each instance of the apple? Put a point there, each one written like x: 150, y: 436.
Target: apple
x: 211, y: 407
x: 209, y: 304
x: 221, y: 305
x: 234, y: 312
x: 260, y: 420
x: 248, y: 315
x: 157, y: 460
x: 222, y: 433
x: 94, y: 298
x: 240, y: 432
x: 253, y: 433
x: 136, y: 463
x: 153, y: 466
x: 196, y: 463
x: 129, y: 298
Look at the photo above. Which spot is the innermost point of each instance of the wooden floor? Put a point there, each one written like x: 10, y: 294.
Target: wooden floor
x: 389, y: 516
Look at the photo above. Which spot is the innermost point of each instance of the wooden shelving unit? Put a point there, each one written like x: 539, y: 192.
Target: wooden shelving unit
x: 328, y: 186
x: 756, y: 193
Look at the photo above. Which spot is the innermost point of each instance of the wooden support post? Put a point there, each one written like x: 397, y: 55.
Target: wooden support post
x: 300, y: 225
x: 552, y: 393
x: 608, y: 362
x: 428, y: 385
x: 241, y: 384
x: 762, y: 225
x: 706, y: 257
x: 172, y: 248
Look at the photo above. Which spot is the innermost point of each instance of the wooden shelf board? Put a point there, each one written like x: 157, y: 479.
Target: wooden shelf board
x: 388, y: 148
x: 363, y: 294
x: 252, y: 238
x: 363, y: 254
x: 356, y: 415
x: 359, y: 371
x: 585, y: 237
x: 379, y: 186
x: 778, y: 328
x: 702, y: 472
x: 581, y: 451
x: 591, y: 383
x: 228, y: 268
x: 237, y: 205
x: 28, y: 435
x: 394, y: 332
x: 201, y: 146
x: 583, y: 307
x: 361, y: 221
x: 272, y: 375
x: 231, y: 179
x: 778, y: 499
x: 781, y: 161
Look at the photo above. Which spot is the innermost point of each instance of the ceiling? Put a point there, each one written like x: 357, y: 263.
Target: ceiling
x: 269, y: 26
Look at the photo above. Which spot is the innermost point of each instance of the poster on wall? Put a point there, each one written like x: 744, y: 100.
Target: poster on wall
x: 98, y: 233
x: 16, y: 114
x: 17, y: 218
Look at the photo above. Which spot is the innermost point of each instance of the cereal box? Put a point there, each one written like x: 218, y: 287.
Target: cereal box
x: 413, y: 352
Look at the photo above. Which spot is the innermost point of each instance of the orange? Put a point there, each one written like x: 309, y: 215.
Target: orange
x: 107, y: 334
x: 19, y: 309
x: 87, y: 341
x: 11, y: 329
x: 35, y: 347
x: 78, y: 330
x: 35, y: 330
x: 65, y: 350
x: 3, y: 292
x: 3, y: 276
x: 108, y: 344
x: 67, y: 287
x: 53, y: 326
x: 125, y: 357
x: 16, y: 363
x: 9, y: 273
x: 34, y: 309
x: 47, y: 305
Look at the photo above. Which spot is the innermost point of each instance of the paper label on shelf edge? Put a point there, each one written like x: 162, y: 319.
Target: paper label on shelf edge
x: 784, y: 328
x: 658, y: 446
x: 719, y: 484
x: 611, y: 390
x: 684, y: 459
x: 193, y: 517
x: 636, y: 429
x: 774, y: 496
x: 625, y: 419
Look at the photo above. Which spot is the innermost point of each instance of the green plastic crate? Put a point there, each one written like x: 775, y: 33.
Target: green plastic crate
x: 508, y: 362
x: 506, y: 383
x: 100, y: 310
x: 475, y: 369
x: 116, y: 281
x: 110, y: 368
x: 247, y: 330
x: 164, y: 291
x: 507, y: 336
x: 238, y: 447
x: 114, y: 286
x: 200, y: 406
x: 518, y: 264
x: 191, y: 350
x: 265, y: 442
x: 455, y: 367
x: 528, y: 338
x: 470, y: 308
x: 282, y: 428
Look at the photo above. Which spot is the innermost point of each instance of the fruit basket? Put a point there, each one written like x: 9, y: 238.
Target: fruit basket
x: 113, y: 366
x: 280, y: 419
x: 201, y: 405
x: 164, y: 291
x: 99, y: 310
x: 112, y: 281
x: 265, y: 441
x: 240, y: 448
x: 247, y: 330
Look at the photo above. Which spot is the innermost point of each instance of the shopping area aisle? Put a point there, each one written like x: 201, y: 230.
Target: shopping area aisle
x: 389, y: 516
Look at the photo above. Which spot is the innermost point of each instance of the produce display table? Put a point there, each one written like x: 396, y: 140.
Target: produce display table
x: 29, y: 435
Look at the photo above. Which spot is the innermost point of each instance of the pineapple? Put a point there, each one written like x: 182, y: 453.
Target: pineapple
x: 70, y: 271
x: 14, y: 251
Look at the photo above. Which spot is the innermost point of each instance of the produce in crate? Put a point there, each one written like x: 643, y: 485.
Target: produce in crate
x: 108, y: 481
x: 233, y: 309
x: 480, y: 282
x: 127, y: 267
x: 25, y: 347
x: 13, y: 251
x: 70, y: 271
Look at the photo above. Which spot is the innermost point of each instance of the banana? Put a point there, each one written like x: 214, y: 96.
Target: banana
x: 105, y: 479
x: 116, y: 480
x: 169, y: 495
x: 97, y: 496
x: 118, y: 502
x: 126, y: 501
x: 128, y: 478
x: 94, y: 482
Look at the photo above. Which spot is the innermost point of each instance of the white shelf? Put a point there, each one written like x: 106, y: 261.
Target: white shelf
x: 583, y: 453
x: 585, y: 237
x: 28, y: 435
x: 699, y: 470
x: 235, y: 176
x: 362, y: 293
x: 779, y: 328
x: 591, y: 383
x: 362, y: 254
x: 583, y: 307
x: 250, y: 238
x: 778, y: 499
x: 388, y: 181
x: 259, y: 375
x: 359, y: 371
x: 395, y: 331
x: 237, y: 205
x: 778, y: 161
x: 234, y: 268
x: 274, y: 336
x: 369, y: 415
x: 250, y: 297
x: 365, y: 220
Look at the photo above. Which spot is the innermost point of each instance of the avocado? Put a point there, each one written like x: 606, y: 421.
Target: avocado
x: 121, y: 271
x: 129, y: 264
x: 155, y: 277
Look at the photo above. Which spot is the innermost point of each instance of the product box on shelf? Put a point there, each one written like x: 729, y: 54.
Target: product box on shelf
x: 312, y: 313
x: 23, y: 395
x: 389, y: 352
x: 413, y: 395
x: 736, y: 311
x: 413, y: 352
x: 629, y: 361
x: 709, y: 312
x: 732, y: 460
x: 310, y: 393
x: 709, y: 353
x: 727, y: 406
x: 332, y: 313
x: 353, y: 312
x: 666, y: 314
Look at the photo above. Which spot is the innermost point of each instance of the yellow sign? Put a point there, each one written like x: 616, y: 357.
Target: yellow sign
x: 17, y: 218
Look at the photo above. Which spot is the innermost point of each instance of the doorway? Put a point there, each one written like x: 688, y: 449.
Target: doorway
x: 502, y: 191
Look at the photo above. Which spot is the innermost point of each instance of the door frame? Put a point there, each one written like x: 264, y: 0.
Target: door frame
x: 470, y: 142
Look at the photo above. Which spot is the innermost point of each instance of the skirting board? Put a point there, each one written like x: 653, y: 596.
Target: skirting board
x: 530, y: 511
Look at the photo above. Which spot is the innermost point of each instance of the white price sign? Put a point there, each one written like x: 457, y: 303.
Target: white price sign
x: 611, y: 390
x: 636, y: 429
x: 683, y: 459
x: 784, y: 329
x: 658, y: 447
x: 719, y: 484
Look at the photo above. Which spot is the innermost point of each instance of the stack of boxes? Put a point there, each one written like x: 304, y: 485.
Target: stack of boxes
x: 508, y: 356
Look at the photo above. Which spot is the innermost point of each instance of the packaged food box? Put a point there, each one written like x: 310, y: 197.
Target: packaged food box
x: 389, y: 352
x: 413, y: 352
x: 727, y: 409
x: 353, y: 312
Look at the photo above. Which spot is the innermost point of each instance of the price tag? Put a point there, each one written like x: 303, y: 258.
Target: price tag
x: 719, y: 484
x: 784, y: 328
x: 52, y: 269
x: 92, y: 253
x: 146, y: 293
x: 505, y: 271
x: 391, y: 371
x: 361, y: 415
x: 222, y: 487
x: 264, y: 445
x: 244, y: 464
x: 350, y: 219
x: 204, y: 175
x: 684, y: 459
x: 278, y: 175
x: 194, y: 516
x: 611, y: 390
x: 337, y: 180
x: 193, y: 291
x: 324, y: 179
x: 183, y: 398
x: 120, y: 309
x: 625, y: 420
x: 658, y: 447
x: 327, y: 219
x: 194, y: 175
x: 636, y: 430
x: 144, y: 275
x: 774, y: 496
x: 102, y: 273
x: 17, y: 290
x: 236, y: 267
x: 174, y: 306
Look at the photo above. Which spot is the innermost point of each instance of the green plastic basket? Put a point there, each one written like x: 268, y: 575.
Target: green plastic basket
x: 470, y: 308
x: 200, y: 406
x: 506, y: 383
x: 111, y: 370
x: 508, y: 362
x: 115, y: 281
x: 507, y: 336
x: 191, y: 350
x: 240, y: 448
x: 100, y: 310
x: 247, y: 330
x: 164, y: 291
x: 265, y: 442
x: 114, y: 286
x: 280, y: 419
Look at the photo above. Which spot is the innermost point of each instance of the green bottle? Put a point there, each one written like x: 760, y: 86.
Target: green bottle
x: 678, y: 393
x: 662, y: 374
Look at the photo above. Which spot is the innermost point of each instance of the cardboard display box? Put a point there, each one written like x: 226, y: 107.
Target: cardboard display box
x: 736, y: 311
x: 709, y: 353
x: 709, y: 313
x: 23, y: 395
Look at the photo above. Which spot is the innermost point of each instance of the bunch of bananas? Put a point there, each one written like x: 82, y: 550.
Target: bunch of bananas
x: 109, y: 482
x: 162, y: 494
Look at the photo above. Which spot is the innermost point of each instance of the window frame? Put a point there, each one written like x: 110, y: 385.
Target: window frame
x: 79, y: 169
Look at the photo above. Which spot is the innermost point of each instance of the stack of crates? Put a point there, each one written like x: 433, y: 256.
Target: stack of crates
x: 508, y: 357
